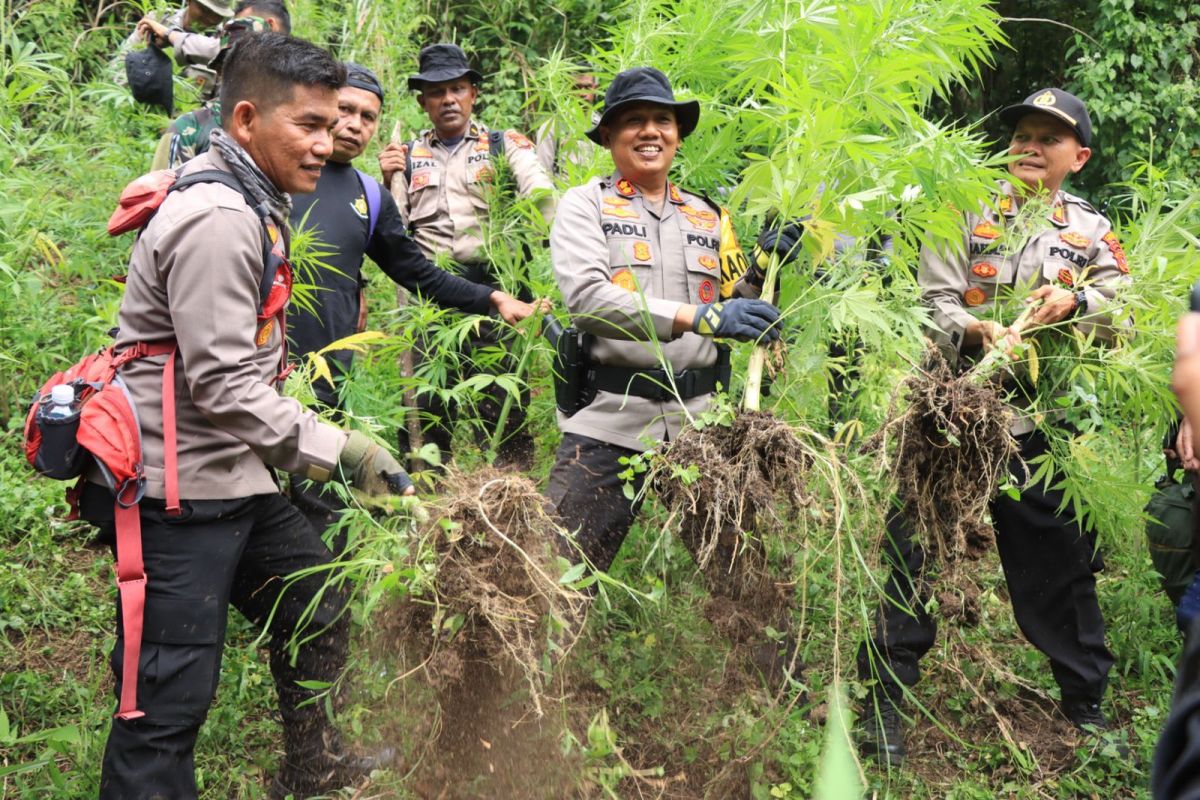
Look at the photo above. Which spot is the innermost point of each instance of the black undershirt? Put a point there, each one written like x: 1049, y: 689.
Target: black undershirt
x: 337, y: 212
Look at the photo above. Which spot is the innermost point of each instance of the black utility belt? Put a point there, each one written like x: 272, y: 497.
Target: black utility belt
x: 658, y: 384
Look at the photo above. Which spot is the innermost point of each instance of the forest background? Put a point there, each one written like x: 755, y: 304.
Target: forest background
x: 845, y: 111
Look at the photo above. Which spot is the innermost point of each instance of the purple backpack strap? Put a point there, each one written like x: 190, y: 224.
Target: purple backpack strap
x: 371, y: 191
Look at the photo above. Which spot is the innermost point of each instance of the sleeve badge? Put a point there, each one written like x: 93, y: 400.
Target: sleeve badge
x: 708, y: 291
x: 519, y: 139
x: 1066, y: 277
x: 1118, y: 252
x: 625, y: 280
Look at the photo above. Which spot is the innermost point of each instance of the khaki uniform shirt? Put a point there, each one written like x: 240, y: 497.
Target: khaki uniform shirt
x: 194, y: 276
x: 1077, y: 251
x: 444, y: 200
x: 624, y: 269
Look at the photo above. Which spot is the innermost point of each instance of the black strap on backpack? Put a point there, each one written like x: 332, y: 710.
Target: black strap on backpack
x: 264, y: 213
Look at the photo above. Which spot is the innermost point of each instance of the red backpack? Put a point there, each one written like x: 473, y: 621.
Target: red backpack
x: 102, y: 426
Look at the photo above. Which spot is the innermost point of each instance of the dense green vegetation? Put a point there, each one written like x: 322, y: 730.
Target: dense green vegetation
x: 843, y: 111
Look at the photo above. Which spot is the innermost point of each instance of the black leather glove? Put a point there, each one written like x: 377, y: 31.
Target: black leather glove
x: 370, y: 468
x: 742, y: 319
x: 781, y: 240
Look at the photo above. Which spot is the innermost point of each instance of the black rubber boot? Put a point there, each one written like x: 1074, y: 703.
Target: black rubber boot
x: 881, y: 731
x: 1084, y: 714
x: 316, y: 765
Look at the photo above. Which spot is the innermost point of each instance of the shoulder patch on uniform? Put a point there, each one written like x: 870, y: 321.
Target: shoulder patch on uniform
x: 519, y: 140
x: 625, y: 188
x: 626, y: 280
x: 1118, y: 252
x: 1005, y: 206
x: 1059, y: 215
x: 673, y: 193
x: 1066, y: 277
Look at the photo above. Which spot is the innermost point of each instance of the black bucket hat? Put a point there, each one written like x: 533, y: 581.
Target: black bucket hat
x: 442, y: 62
x: 150, y: 77
x: 645, y: 85
x: 1057, y: 103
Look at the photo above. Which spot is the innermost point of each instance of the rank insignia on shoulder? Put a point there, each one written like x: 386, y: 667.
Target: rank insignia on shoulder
x: 1076, y: 240
x: 419, y: 180
x: 519, y: 139
x: 1059, y: 217
x: 673, y: 193
x: 641, y: 251
x: 626, y: 280
x: 974, y: 296
x: 625, y: 188
x: 1066, y: 277
x: 1118, y: 252
x: 985, y: 230
x: 1005, y: 206
x: 984, y: 270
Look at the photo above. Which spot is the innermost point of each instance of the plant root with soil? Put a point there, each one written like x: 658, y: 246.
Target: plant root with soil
x: 952, y: 451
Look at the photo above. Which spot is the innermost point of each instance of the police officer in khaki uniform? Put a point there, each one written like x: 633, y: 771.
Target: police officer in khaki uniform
x: 1070, y: 270
x: 441, y: 182
x: 644, y: 268
x: 215, y: 529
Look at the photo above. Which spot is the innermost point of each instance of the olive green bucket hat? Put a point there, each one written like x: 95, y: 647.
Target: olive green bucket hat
x: 222, y: 7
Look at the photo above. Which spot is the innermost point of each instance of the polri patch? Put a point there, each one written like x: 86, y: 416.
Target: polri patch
x: 1118, y: 252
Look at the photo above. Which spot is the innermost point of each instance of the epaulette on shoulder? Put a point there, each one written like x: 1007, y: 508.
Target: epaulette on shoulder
x: 1079, y: 201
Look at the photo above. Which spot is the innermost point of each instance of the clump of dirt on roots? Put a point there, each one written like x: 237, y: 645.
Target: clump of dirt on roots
x: 952, y: 452
x: 497, y: 573
x: 739, y: 477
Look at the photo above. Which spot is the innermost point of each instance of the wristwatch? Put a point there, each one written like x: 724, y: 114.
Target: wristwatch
x: 1081, y: 304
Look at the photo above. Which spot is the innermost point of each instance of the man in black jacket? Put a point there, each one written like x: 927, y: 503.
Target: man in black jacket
x: 352, y: 217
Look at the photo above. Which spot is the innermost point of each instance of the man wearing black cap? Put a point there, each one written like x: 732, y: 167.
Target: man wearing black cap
x: 1069, y: 270
x: 441, y: 184
x: 645, y: 268
x: 351, y: 217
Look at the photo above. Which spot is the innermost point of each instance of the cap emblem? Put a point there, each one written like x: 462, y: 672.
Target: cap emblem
x: 1046, y: 98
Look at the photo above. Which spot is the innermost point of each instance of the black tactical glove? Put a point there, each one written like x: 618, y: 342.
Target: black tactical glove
x: 742, y: 319
x: 782, y: 240
x: 370, y: 468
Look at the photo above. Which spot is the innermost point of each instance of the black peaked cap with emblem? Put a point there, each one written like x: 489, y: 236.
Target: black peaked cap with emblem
x: 645, y: 85
x: 1057, y: 103
x: 442, y: 62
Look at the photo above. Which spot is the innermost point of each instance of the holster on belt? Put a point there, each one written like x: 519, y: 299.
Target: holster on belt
x: 577, y: 379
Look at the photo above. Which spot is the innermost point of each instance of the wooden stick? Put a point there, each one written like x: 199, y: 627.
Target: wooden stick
x: 412, y: 418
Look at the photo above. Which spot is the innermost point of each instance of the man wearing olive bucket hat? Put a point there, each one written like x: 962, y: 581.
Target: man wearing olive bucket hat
x: 645, y: 269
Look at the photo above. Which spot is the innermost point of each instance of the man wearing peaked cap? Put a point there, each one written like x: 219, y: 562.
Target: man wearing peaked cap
x: 1068, y: 272
x: 646, y: 268
x: 441, y: 181
x: 352, y: 217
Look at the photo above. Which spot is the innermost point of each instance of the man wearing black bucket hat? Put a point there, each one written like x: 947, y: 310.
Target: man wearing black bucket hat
x: 352, y: 217
x: 1068, y: 270
x: 441, y: 183
x: 651, y: 275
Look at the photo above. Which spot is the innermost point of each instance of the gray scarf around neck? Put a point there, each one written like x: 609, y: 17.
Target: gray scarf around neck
x: 255, y: 182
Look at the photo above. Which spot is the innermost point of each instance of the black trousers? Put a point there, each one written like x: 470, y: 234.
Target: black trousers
x: 215, y: 553
x: 1049, y: 565
x: 439, y: 417
x: 590, y: 500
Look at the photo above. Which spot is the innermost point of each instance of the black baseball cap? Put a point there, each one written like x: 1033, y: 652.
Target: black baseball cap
x: 360, y: 77
x: 1057, y: 103
x: 645, y: 85
x: 442, y: 62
